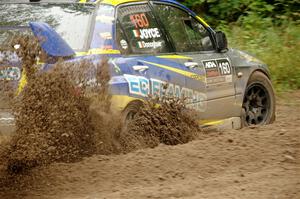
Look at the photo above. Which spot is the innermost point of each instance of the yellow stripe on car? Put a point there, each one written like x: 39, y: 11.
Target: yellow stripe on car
x: 98, y: 51
x: 202, y: 21
x: 179, y: 71
x: 211, y: 122
x: 117, y: 2
x: 22, y: 82
x: 173, y: 57
x: 87, y: 1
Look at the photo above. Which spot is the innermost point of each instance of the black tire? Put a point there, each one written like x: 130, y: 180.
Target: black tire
x: 131, y: 110
x: 259, y: 101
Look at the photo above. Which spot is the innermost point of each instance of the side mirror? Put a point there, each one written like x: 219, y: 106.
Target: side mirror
x: 221, y: 41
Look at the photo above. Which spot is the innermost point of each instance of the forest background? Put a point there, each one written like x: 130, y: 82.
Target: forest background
x: 267, y: 29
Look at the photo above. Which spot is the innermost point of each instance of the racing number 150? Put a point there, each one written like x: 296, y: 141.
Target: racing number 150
x: 139, y: 20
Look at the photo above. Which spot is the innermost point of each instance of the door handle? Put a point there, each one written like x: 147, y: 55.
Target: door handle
x: 191, y: 65
x: 140, y: 68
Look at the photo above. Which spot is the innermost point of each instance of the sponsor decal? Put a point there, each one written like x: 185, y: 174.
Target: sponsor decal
x: 136, y: 33
x: 138, y: 85
x: 152, y: 44
x: 124, y: 44
x: 105, y: 35
x: 139, y: 20
x: 10, y: 73
x: 149, y: 33
x: 217, y: 71
x: 224, y: 66
x: 211, y: 68
x: 144, y: 87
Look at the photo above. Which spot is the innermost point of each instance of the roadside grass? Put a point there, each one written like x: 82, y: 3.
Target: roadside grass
x: 277, y: 46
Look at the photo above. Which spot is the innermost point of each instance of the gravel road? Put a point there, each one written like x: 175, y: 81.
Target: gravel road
x: 262, y: 162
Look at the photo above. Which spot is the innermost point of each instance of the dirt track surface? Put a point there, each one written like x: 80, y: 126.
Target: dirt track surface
x: 262, y: 162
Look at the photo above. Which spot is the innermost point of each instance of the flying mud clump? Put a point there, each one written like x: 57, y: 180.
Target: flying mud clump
x: 170, y: 123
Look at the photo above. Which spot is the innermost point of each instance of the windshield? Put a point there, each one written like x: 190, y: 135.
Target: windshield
x: 71, y: 21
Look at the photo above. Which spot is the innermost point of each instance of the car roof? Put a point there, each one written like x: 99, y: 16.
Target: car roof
x: 118, y: 2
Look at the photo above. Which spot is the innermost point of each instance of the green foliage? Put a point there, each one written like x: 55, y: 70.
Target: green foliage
x: 238, y: 10
x: 269, y: 29
x: 279, y: 47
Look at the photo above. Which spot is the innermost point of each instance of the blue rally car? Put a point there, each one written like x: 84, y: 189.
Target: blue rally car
x: 149, y: 44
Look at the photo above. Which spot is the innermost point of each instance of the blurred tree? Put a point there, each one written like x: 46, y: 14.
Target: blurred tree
x: 228, y: 11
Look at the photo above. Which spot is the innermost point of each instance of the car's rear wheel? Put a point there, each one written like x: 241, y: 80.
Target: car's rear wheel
x: 131, y: 110
x: 259, y: 101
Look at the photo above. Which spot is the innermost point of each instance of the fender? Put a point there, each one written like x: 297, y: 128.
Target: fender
x: 247, y: 65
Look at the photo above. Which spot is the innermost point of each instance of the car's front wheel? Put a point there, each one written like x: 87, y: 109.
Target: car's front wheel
x: 259, y: 101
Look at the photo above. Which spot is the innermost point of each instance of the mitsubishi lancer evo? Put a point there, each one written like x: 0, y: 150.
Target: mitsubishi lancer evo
x: 148, y: 44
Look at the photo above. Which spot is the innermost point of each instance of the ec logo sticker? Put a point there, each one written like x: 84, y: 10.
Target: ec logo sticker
x: 138, y: 85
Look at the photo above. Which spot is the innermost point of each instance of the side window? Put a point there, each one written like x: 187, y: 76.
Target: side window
x: 186, y: 32
x: 138, y: 30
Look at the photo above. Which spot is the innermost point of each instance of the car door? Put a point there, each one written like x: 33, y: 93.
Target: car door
x: 148, y: 61
x: 192, y: 39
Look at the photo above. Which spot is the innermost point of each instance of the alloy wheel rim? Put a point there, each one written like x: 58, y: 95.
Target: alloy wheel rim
x: 256, y: 104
